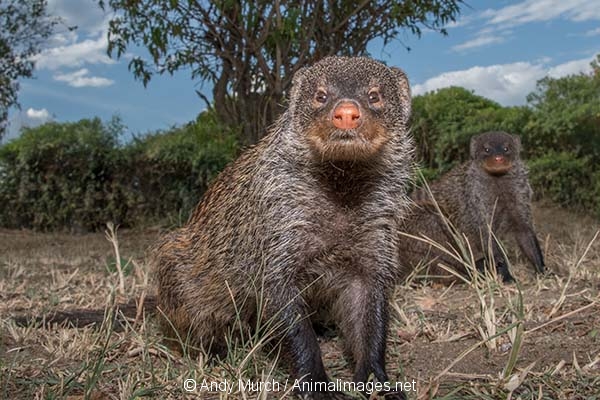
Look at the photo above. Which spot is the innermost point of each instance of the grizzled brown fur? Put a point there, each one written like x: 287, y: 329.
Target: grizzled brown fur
x: 491, y: 188
x: 306, y: 219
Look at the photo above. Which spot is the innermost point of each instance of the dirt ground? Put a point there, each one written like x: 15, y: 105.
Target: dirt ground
x: 440, y: 336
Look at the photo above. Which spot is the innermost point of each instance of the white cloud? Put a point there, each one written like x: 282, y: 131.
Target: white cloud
x: 89, y: 51
x: 502, y: 83
x: 85, y: 14
x: 543, y: 10
x: 463, y: 20
x: 87, y: 44
x: 571, y: 68
x: 478, y: 42
x: 80, y: 78
x: 497, y: 22
x: 508, y: 84
x: 62, y: 38
x: 38, y: 115
x: 593, y: 32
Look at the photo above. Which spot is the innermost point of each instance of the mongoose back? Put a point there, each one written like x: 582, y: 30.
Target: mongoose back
x: 305, y: 220
x: 490, y: 190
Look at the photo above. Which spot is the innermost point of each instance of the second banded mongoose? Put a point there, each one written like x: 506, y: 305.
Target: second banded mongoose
x: 490, y: 190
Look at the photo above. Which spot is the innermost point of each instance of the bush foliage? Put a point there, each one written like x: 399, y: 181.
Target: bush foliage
x: 567, y: 180
x: 61, y: 174
x: 81, y: 175
x: 172, y: 169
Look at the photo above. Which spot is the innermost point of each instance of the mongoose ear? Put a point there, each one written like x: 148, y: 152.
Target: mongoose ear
x: 404, y: 87
x: 473, y: 147
x: 298, y: 76
x: 517, y: 140
x: 297, y: 80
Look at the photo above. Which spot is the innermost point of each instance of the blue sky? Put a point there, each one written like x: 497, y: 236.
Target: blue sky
x: 498, y: 49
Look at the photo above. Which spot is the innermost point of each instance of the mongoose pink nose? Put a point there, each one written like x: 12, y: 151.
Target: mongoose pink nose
x: 499, y: 159
x: 346, y: 116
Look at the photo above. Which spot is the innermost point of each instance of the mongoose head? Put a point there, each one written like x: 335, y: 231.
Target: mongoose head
x: 348, y: 108
x: 495, y: 151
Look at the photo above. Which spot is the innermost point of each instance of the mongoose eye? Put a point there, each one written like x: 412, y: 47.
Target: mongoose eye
x: 321, y: 97
x: 486, y: 149
x: 374, y: 97
x: 505, y: 149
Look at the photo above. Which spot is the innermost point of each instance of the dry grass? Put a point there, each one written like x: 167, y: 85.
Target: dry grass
x: 478, y: 340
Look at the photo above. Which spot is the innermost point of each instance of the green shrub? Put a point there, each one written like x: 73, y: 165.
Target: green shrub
x: 566, y: 116
x: 172, y: 169
x: 78, y: 175
x: 60, y: 175
x: 567, y: 180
